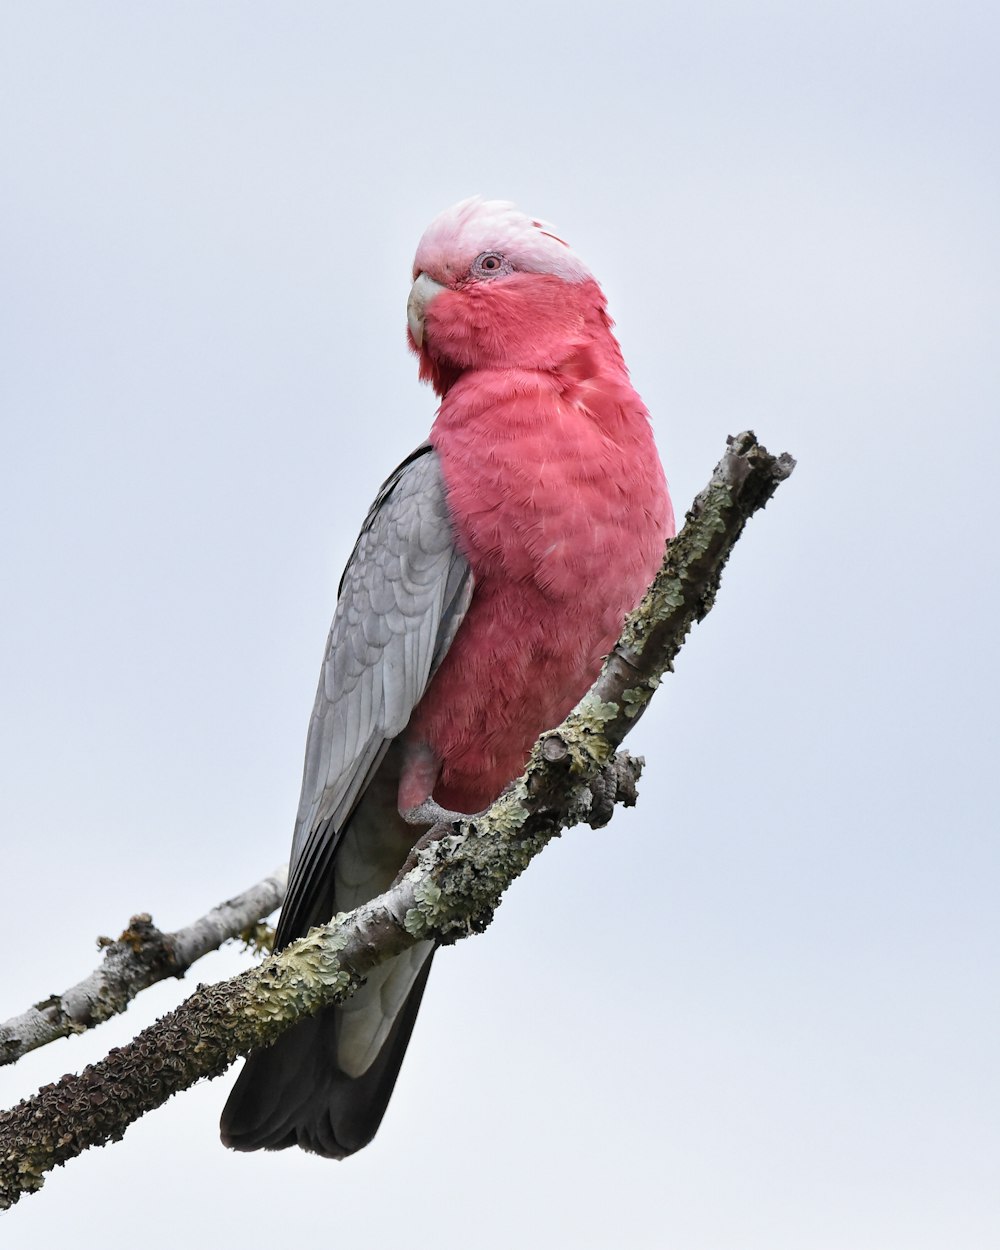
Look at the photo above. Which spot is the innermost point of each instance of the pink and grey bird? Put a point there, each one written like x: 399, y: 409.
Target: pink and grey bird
x: 490, y: 579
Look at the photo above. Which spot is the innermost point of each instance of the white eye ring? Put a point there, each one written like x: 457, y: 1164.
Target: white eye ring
x: 490, y: 265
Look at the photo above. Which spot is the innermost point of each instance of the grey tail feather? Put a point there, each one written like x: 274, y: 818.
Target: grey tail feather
x: 294, y: 1094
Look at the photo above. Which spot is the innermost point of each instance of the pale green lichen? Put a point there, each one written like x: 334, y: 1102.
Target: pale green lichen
x: 303, y: 977
x: 637, y: 698
x: 591, y: 707
x: 583, y: 733
x: 257, y: 938
x: 508, y: 814
x: 428, y: 897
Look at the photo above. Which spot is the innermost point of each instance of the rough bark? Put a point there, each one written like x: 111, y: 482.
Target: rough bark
x: 140, y: 957
x: 451, y: 884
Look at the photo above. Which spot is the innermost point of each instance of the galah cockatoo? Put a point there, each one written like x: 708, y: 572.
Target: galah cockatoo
x: 490, y: 580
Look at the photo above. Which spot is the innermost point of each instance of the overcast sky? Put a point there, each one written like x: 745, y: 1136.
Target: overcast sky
x: 760, y: 1011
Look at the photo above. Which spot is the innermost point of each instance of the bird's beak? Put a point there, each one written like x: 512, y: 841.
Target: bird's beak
x: 421, y: 294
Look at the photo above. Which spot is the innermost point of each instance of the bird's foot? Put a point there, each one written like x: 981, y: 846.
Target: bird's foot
x: 431, y: 813
x: 434, y: 820
x: 615, y: 783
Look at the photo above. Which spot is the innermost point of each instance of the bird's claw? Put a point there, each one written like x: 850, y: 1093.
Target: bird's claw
x: 615, y: 783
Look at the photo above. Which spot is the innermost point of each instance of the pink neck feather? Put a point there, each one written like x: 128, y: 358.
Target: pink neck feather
x: 529, y: 322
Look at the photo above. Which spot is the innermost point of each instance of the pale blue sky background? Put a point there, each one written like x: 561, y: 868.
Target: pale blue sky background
x: 760, y: 1011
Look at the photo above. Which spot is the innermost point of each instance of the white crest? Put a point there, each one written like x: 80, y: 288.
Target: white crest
x: 457, y: 236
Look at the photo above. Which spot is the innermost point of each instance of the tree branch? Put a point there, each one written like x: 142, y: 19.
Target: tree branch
x: 139, y: 958
x: 450, y: 886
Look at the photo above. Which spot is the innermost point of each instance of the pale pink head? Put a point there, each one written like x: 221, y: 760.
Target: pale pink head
x: 474, y: 227
x: 496, y: 289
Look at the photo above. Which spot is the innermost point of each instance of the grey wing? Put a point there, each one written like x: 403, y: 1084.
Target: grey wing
x: 402, y: 598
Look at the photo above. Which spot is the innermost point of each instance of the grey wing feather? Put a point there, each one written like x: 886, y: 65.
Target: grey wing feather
x: 402, y: 598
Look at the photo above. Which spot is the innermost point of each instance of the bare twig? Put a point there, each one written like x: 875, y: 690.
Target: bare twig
x: 449, y: 889
x: 140, y: 957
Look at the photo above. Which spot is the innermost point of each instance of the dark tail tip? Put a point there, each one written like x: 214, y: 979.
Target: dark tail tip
x: 294, y: 1094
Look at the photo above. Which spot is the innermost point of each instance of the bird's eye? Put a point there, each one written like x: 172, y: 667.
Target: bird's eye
x: 490, y: 265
